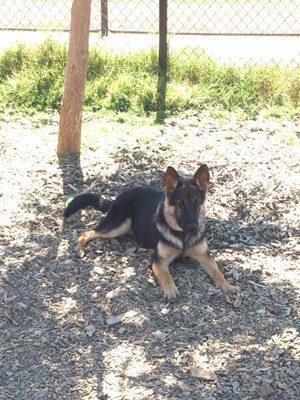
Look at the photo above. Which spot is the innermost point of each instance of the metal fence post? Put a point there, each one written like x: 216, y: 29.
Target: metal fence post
x: 163, y: 60
x: 104, y: 18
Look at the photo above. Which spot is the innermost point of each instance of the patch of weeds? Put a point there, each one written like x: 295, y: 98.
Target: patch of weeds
x: 32, y: 80
x: 139, y: 154
x: 121, y: 120
x: 280, y: 113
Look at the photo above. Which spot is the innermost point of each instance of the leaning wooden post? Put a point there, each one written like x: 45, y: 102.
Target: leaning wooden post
x: 69, y: 137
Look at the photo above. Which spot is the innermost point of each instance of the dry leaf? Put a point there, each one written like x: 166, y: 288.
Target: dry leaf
x: 203, y: 373
x: 184, y: 387
x: 119, y: 318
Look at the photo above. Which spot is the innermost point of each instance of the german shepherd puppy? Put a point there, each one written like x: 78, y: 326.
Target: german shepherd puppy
x: 172, y: 222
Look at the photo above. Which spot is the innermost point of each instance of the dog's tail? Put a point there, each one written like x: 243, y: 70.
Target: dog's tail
x: 84, y: 200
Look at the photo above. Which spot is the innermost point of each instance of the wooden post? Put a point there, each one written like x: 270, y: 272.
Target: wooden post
x: 69, y: 138
x: 104, y: 18
x: 163, y: 58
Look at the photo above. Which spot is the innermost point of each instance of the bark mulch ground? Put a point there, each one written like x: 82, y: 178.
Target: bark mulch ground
x: 63, y: 334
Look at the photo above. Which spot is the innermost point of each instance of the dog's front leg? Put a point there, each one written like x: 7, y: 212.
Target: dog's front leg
x: 200, y: 253
x: 162, y: 258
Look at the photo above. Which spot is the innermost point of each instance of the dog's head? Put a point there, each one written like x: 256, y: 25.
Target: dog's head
x: 184, y: 198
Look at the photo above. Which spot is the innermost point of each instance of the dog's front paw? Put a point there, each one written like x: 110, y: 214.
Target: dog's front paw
x: 170, y: 292
x: 227, y: 287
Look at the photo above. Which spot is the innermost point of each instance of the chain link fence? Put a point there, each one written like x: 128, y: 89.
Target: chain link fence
x: 234, y: 31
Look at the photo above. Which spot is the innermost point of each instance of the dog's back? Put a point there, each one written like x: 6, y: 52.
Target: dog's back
x: 137, y: 206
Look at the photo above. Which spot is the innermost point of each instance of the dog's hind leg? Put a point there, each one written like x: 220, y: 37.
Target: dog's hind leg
x: 116, y: 223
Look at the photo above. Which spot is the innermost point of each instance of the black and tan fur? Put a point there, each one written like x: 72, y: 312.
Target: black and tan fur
x: 172, y: 222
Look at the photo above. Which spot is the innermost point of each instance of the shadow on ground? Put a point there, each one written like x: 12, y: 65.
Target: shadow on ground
x: 56, y: 342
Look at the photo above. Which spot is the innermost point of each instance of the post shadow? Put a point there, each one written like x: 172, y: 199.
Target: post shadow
x: 71, y: 173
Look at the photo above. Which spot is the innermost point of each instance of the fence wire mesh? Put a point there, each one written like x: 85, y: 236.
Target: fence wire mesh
x: 256, y: 31
x: 37, y: 15
x: 221, y: 17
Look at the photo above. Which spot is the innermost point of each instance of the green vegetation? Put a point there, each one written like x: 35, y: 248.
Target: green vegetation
x: 32, y: 79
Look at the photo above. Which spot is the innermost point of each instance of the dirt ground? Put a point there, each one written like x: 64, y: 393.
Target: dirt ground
x: 59, y: 338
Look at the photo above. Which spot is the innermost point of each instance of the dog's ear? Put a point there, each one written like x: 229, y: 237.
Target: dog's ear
x: 171, y: 180
x: 201, y: 177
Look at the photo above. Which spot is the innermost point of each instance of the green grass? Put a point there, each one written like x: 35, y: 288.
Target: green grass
x: 32, y: 79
